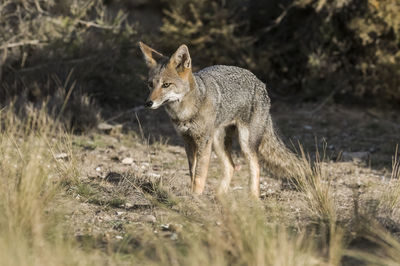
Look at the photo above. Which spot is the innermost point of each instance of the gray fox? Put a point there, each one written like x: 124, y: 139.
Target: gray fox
x: 209, y: 108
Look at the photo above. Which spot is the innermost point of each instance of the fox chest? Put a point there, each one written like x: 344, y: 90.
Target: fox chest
x: 192, y: 129
x: 187, y: 128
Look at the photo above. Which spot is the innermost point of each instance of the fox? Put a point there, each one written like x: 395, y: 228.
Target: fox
x: 212, y: 107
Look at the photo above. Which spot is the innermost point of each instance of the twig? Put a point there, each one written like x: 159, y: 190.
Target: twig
x: 278, y: 20
x: 134, y: 109
x: 39, y: 8
x: 22, y: 43
x: 72, y: 61
x: 95, y: 25
x: 325, y: 101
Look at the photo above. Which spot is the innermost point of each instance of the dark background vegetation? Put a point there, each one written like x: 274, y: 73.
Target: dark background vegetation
x: 80, y: 57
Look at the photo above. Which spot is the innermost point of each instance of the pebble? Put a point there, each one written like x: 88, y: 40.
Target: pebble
x: 154, y: 175
x: 351, y: 156
x: 127, y: 160
x: 165, y: 227
x: 62, y: 155
x: 127, y: 205
x: 148, y: 218
x: 174, y: 236
x: 106, y: 128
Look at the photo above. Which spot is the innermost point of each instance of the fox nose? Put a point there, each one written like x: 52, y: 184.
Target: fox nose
x: 148, y: 104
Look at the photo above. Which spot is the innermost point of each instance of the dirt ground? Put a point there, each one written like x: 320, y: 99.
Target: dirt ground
x: 120, y: 169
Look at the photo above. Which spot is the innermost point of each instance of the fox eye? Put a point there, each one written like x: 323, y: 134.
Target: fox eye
x: 166, y: 85
x: 150, y: 84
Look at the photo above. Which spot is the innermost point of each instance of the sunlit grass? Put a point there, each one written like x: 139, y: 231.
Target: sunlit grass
x: 229, y: 230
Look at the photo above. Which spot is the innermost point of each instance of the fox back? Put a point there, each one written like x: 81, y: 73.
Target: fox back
x: 235, y: 92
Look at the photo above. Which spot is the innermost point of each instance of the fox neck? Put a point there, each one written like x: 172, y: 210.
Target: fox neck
x: 185, y: 109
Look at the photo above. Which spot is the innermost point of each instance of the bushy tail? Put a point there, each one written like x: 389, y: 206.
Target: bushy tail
x: 277, y: 158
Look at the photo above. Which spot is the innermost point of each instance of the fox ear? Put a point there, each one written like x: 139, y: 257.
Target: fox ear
x: 181, y: 58
x: 151, y: 56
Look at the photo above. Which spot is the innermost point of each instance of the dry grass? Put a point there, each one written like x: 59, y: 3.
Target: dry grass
x: 314, y: 183
x: 384, y: 248
x: 37, y: 229
x: 390, y: 199
x: 30, y: 232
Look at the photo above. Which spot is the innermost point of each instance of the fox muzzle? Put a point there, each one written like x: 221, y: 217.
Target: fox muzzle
x: 148, y: 104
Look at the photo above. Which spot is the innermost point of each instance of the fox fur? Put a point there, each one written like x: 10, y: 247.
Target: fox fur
x: 211, y: 107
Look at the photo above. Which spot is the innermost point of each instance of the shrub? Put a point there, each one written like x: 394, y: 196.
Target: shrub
x: 213, y: 30
x: 49, y: 45
x: 311, y: 48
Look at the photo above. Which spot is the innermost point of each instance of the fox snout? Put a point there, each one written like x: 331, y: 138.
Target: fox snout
x: 155, y: 99
x: 158, y: 98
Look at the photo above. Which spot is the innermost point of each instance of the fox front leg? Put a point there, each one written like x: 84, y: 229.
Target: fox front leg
x: 190, y: 148
x: 202, y: 156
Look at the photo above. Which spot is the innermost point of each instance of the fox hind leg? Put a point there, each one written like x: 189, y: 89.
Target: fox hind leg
x: 222, y: 143
x: 249, y: 150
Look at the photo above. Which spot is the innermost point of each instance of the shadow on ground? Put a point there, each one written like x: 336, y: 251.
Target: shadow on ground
x: 339, y: 132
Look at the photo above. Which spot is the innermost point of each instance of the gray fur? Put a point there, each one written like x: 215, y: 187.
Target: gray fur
x: 211, y: 106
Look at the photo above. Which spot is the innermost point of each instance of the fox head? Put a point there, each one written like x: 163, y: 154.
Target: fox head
x: 169, y: 78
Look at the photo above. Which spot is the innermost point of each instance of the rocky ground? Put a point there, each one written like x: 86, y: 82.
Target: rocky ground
x: 135, y: 175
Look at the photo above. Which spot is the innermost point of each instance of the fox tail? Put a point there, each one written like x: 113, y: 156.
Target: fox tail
x: 277, y: 158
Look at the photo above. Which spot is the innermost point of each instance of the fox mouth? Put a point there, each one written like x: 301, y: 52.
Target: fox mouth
x: 156, y: 106
x: 166, y: 101
x: 170, y: 101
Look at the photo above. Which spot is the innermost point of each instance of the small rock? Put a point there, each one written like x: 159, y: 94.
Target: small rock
x: 127, y: 160
x: 174, y: 236
x: 127, y: 205
x: 171, y: 227
x: 154, y: 175
x: 355, y: 156
x: 237, y: 188
x: 98, y: 169
x: 270, y: 191
x: 119, y: 213
x: 61, y: 156
x: 119, y: 237
x: 106, y: 128
x: 165, y: 227
x: 148, y: 218
x: 123, y: 148
x: 307, y: 127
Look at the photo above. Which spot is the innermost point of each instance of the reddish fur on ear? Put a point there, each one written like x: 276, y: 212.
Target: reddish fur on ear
x: 151, y: 56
